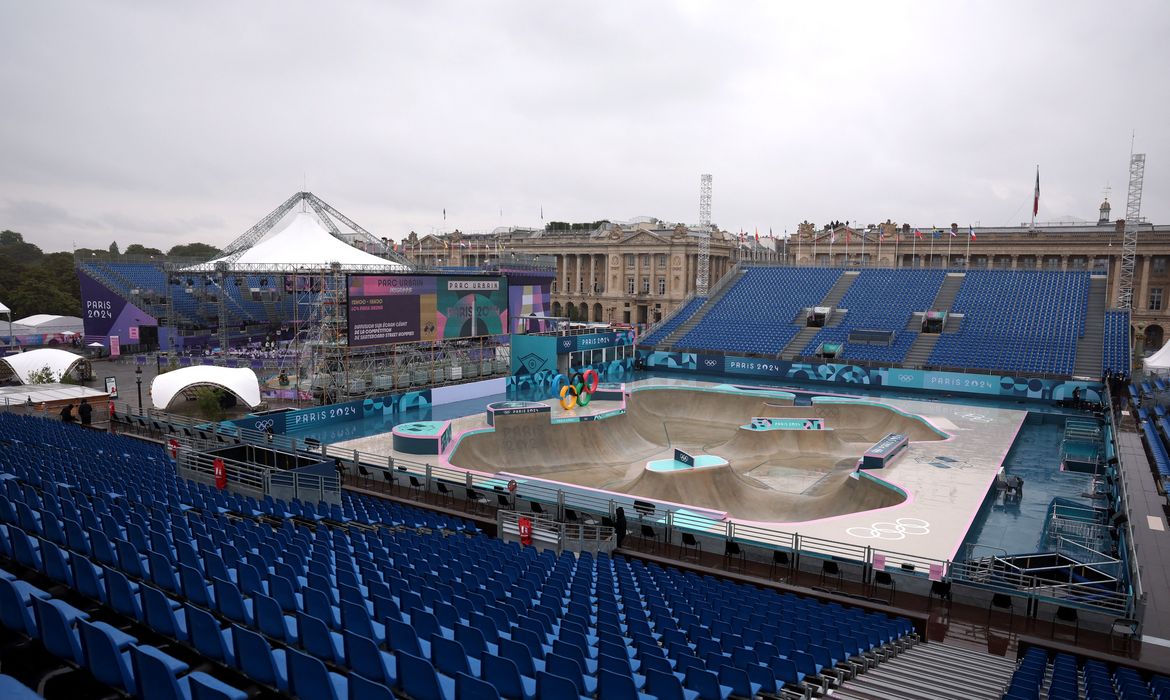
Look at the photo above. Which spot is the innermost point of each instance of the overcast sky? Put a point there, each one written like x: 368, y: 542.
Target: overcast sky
x: 173, y: 122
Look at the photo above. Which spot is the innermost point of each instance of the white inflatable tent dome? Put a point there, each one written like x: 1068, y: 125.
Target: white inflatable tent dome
x: 59, y: 362
x: 241, y: 382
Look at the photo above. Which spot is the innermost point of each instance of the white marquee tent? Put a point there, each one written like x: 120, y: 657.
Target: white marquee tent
x: 303, y: 242
x: 1159, y: 362
x: 24, y: 364
x: 241, y: 382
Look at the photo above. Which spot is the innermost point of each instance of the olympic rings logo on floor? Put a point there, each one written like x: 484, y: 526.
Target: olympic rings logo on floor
x: 896, y: 530
x: 579, y: 390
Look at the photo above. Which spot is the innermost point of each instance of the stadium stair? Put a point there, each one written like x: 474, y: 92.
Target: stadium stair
x: 697, y: 317
x: 933, y: 672
x: 924, y: 344
x: 831, y: 299
x: 1090, y: 348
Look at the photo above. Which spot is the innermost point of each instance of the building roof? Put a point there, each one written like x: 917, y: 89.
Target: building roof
x: 24, y: 364
x: 240, y: 381
x: 303, y: 242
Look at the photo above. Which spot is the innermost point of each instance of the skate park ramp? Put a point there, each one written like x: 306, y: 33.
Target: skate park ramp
x: 771, y: 475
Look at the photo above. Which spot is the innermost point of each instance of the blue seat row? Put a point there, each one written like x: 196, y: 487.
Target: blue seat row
x: 757, y: 313
x: 1068, y: 679
x: 1115, y: 356
x: 682, y: 316
x: 1017, y: 321
x: 352, y: 604
x: 113, y: 657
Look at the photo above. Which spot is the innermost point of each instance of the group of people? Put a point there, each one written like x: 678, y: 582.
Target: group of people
x: 84, y: 412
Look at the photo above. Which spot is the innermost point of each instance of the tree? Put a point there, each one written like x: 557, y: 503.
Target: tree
x: 209, y: 402
x: 14, y: 249
x: 139, y: 249
x: 44, y: 375
x: 114, y: 248
x: 193, y: 250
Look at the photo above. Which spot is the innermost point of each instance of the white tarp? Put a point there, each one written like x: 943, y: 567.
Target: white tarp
x: 47, y: 324
x: 4, y: 309
x: 303, y: 242
x: 25, y: 363
x: 240, y: 381
x: 1159, y: 362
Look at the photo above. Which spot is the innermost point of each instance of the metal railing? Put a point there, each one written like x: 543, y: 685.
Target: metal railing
x: 553, y: 501
x: 551, y: 534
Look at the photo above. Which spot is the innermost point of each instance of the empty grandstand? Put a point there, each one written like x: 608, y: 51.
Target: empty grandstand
x: 1011, y: 321
x: 141, y: 580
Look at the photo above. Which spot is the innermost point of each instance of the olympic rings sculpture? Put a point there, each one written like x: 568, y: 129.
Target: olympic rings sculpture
x: 896, y: 530
x: 579, y: 390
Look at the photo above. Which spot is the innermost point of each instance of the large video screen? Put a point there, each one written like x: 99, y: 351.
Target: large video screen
x: 409, y: 308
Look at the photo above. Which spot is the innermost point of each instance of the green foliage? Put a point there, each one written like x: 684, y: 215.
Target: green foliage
x: 193, y: 250
x: 209, y: 402
x: 35, y: 282
x: 44, y: 375
x: 139, y: 249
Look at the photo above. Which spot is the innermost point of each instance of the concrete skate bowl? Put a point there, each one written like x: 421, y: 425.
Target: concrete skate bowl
x: 770, y: 475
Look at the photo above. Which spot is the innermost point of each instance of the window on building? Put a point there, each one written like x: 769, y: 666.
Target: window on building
x: 1158, y: 265
x: 629, y: 259
x: 645, y: 285
x: 629, y: 285
x: 644, y: 259
x: 661, y: 258
x: 554, y: 286
x: 1155, y: 299
x: 661, y: 285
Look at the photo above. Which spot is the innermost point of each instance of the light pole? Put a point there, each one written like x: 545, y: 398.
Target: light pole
x: 138, y: 380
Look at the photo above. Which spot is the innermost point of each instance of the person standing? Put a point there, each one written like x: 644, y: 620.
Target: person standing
x: 85, y: 411
x: 67, y: 413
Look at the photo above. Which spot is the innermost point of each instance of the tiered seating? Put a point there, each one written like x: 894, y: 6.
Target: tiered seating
x: 756, y: 315
x: 675, y: 321
x: 1017, y: 321
x: 881, y: 300
x: 1116, y: 351
x: 1157, y: 441
x: 1093, y: 681
x: 346, y: 607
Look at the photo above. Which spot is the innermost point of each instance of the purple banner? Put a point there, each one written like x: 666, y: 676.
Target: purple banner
x: 105, y: 313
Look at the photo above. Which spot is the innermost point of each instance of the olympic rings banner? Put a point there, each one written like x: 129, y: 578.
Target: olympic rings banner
x: 579, y: 390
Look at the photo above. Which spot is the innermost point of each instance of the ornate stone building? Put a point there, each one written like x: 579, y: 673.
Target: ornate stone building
x: 624, y: 273
x: 637, y: 273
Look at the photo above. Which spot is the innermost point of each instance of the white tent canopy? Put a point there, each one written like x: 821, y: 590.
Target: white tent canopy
x: 47, y: 323
x: 239, y: 381
x: 59, y: 362
x: 1159, y: 362
x: 303, y: 242
x: 4, y: 309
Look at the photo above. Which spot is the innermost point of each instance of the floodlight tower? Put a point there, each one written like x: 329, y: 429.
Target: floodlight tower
x: 1133, y: 210
x: 703, y: 274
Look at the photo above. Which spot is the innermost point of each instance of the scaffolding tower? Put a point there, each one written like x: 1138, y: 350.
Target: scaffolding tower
x: 703, y: 274
x: 1133, y: 210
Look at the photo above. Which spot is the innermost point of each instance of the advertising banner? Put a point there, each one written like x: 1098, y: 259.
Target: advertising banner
x: 411, y: 308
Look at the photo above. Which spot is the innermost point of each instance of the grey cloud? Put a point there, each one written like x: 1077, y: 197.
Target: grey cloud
x: 191, y: 121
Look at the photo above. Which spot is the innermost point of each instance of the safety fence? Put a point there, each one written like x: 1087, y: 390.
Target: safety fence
x: 663, y: 524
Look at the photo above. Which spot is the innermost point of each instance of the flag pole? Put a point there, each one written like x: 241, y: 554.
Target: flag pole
x: 967, y: 257
x: 949, y: 242
x: 930, y: 255
x: 914, y: 248
x: 863, y: 247
x: 1035, y: 199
